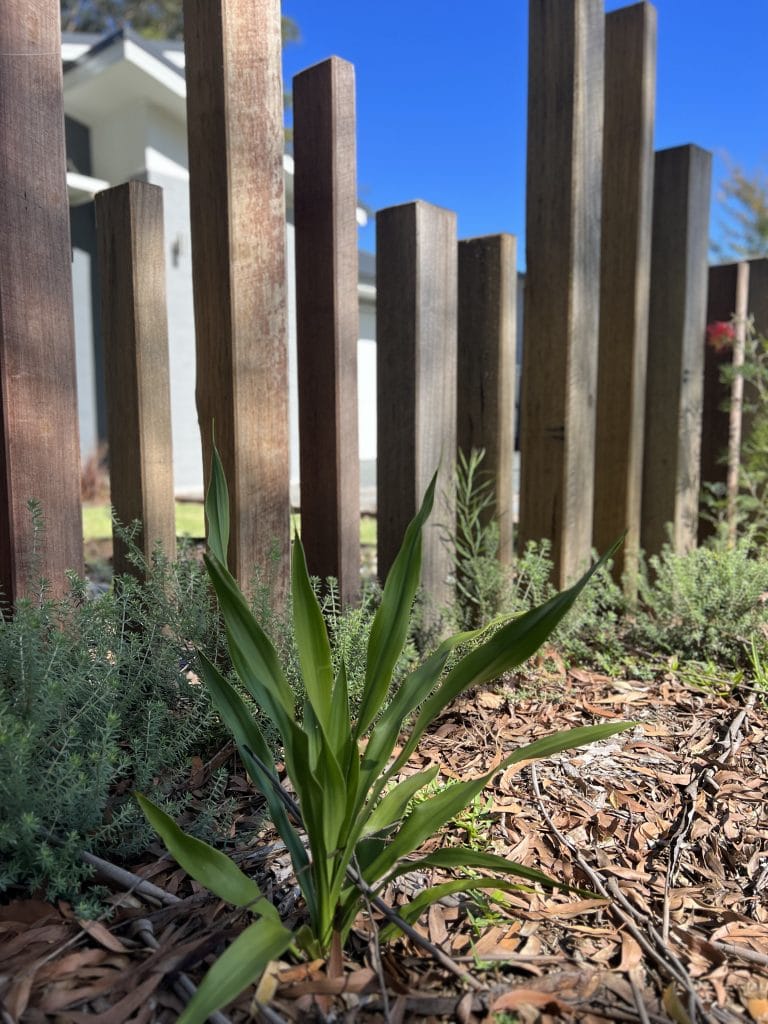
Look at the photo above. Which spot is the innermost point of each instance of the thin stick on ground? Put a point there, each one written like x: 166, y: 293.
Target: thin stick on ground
x: 650, y: 940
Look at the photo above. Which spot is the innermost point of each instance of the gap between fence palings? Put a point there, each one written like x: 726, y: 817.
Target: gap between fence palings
x: 416, y: 300
x: 564, y: 172
x: 39, y: 446
x: 325, y: 212
x: 129, y: 226
x: 625, y: 264
x: 237, y: 202
x: 487, y: 351
x: 676, y: 329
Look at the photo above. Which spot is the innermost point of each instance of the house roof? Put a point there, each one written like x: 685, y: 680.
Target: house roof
x: 102, y: 72
x: 126, y: 65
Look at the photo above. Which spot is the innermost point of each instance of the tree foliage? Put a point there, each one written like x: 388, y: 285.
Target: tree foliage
x: 155, y: 19
x: 744, y: 224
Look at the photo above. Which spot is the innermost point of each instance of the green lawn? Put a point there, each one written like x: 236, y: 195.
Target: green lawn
x: 97, y: 524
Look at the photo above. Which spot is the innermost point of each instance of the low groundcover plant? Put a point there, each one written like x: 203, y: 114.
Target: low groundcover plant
x: 361, y: 823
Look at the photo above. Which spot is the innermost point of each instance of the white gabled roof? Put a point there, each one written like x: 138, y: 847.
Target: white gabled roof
x: 124, y: 64
x: 101, y: 72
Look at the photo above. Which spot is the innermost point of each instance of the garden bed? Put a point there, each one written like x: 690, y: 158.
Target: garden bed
x: 665, y: 826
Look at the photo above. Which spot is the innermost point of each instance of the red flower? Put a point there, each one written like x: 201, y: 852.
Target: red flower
x: 720, y: 335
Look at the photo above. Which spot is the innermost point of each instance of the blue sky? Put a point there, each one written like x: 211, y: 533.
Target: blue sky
x: 441, y: 94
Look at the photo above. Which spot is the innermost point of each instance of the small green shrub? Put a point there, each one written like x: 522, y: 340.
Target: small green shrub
x: 706, y: 605
x: 95, y: 700
x: 481, y: 580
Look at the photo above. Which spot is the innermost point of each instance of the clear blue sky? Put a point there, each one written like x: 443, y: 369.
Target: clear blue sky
x: 441, y: 94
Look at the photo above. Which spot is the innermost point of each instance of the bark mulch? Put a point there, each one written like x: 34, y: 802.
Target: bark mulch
x: 665, y: 827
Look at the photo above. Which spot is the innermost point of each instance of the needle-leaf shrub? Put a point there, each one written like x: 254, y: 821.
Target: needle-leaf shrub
x: 95, y: 700
x: 362, y: 824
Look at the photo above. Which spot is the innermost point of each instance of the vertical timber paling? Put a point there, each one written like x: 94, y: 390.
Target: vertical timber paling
x: 325, y: 211
x: 625, y: 265
x: 486, y: 366
x: 39, y: 449
x: 726, y: 283
x: 565, y: 129
x: 237, y: 201
x: 129, y: 222
x: 416, y: 300
x: 758, y: 294
x: 737, y: 290
x: 676, y: 329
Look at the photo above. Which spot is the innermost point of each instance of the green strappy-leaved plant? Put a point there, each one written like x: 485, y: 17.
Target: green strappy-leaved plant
x: 362, y: 826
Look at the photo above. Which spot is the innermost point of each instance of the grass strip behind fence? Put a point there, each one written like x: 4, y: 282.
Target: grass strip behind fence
x: 97, y: 522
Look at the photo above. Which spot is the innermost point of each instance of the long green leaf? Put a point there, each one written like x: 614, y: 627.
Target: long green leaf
x: 413, y: 690
x: 411, y: 912
x: 392, y: 807
x: 340, y: 733
x: 236, y: 968
x: 311, y: 638
x: 248, y: 736
x: 253, y: 655
x: 210, y: 867
x: 463, y: 858
x: 217, y: 509
x: 509, y: 647
x: 429, y: 817
x: 390, y: 624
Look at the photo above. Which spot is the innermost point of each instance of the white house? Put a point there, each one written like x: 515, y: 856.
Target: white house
x: 125, y: 106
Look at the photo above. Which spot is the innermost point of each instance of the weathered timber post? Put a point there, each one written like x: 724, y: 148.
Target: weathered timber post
x: 726, y: 284
x: 39, y: 449
x: 325, y: 210
x: 677, y: 322
x: 486, y: 365
x: 235, y: 128
x: 737, y: 290
x: 416, y: 278
x: 565, y: 134
x: 625, y: 269
x: 129, y: 221
x: 758, y: 294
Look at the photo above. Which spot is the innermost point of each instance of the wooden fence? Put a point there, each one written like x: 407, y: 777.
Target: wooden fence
x: 619, y: 398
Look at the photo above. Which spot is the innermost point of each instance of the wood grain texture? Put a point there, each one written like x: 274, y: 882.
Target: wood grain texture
x: 486, y: 366
x: 741, y: 290
x: 416, y: 278
x: 235, y: 129
x: 325, y: 210
x: 758, y: 294
x: 129, y: 224
x: 564, y: 172
x: 39, y: 449
x: 722, y: 290
x: 677, y: 322
x: 625, y: 272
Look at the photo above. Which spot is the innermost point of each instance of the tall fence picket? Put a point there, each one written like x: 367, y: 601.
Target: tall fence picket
x: 727, y: 293
x: 565, y: 131
x: 237, y: 202
x: 487, y: 336
x: 758, y: 293
x: 677, y: 321
x: 737, y: 290
x: 39, y: 446
x: 325, y: 210
x: 630, y: 85
x: 416, y: 272
x: 129, y: 220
